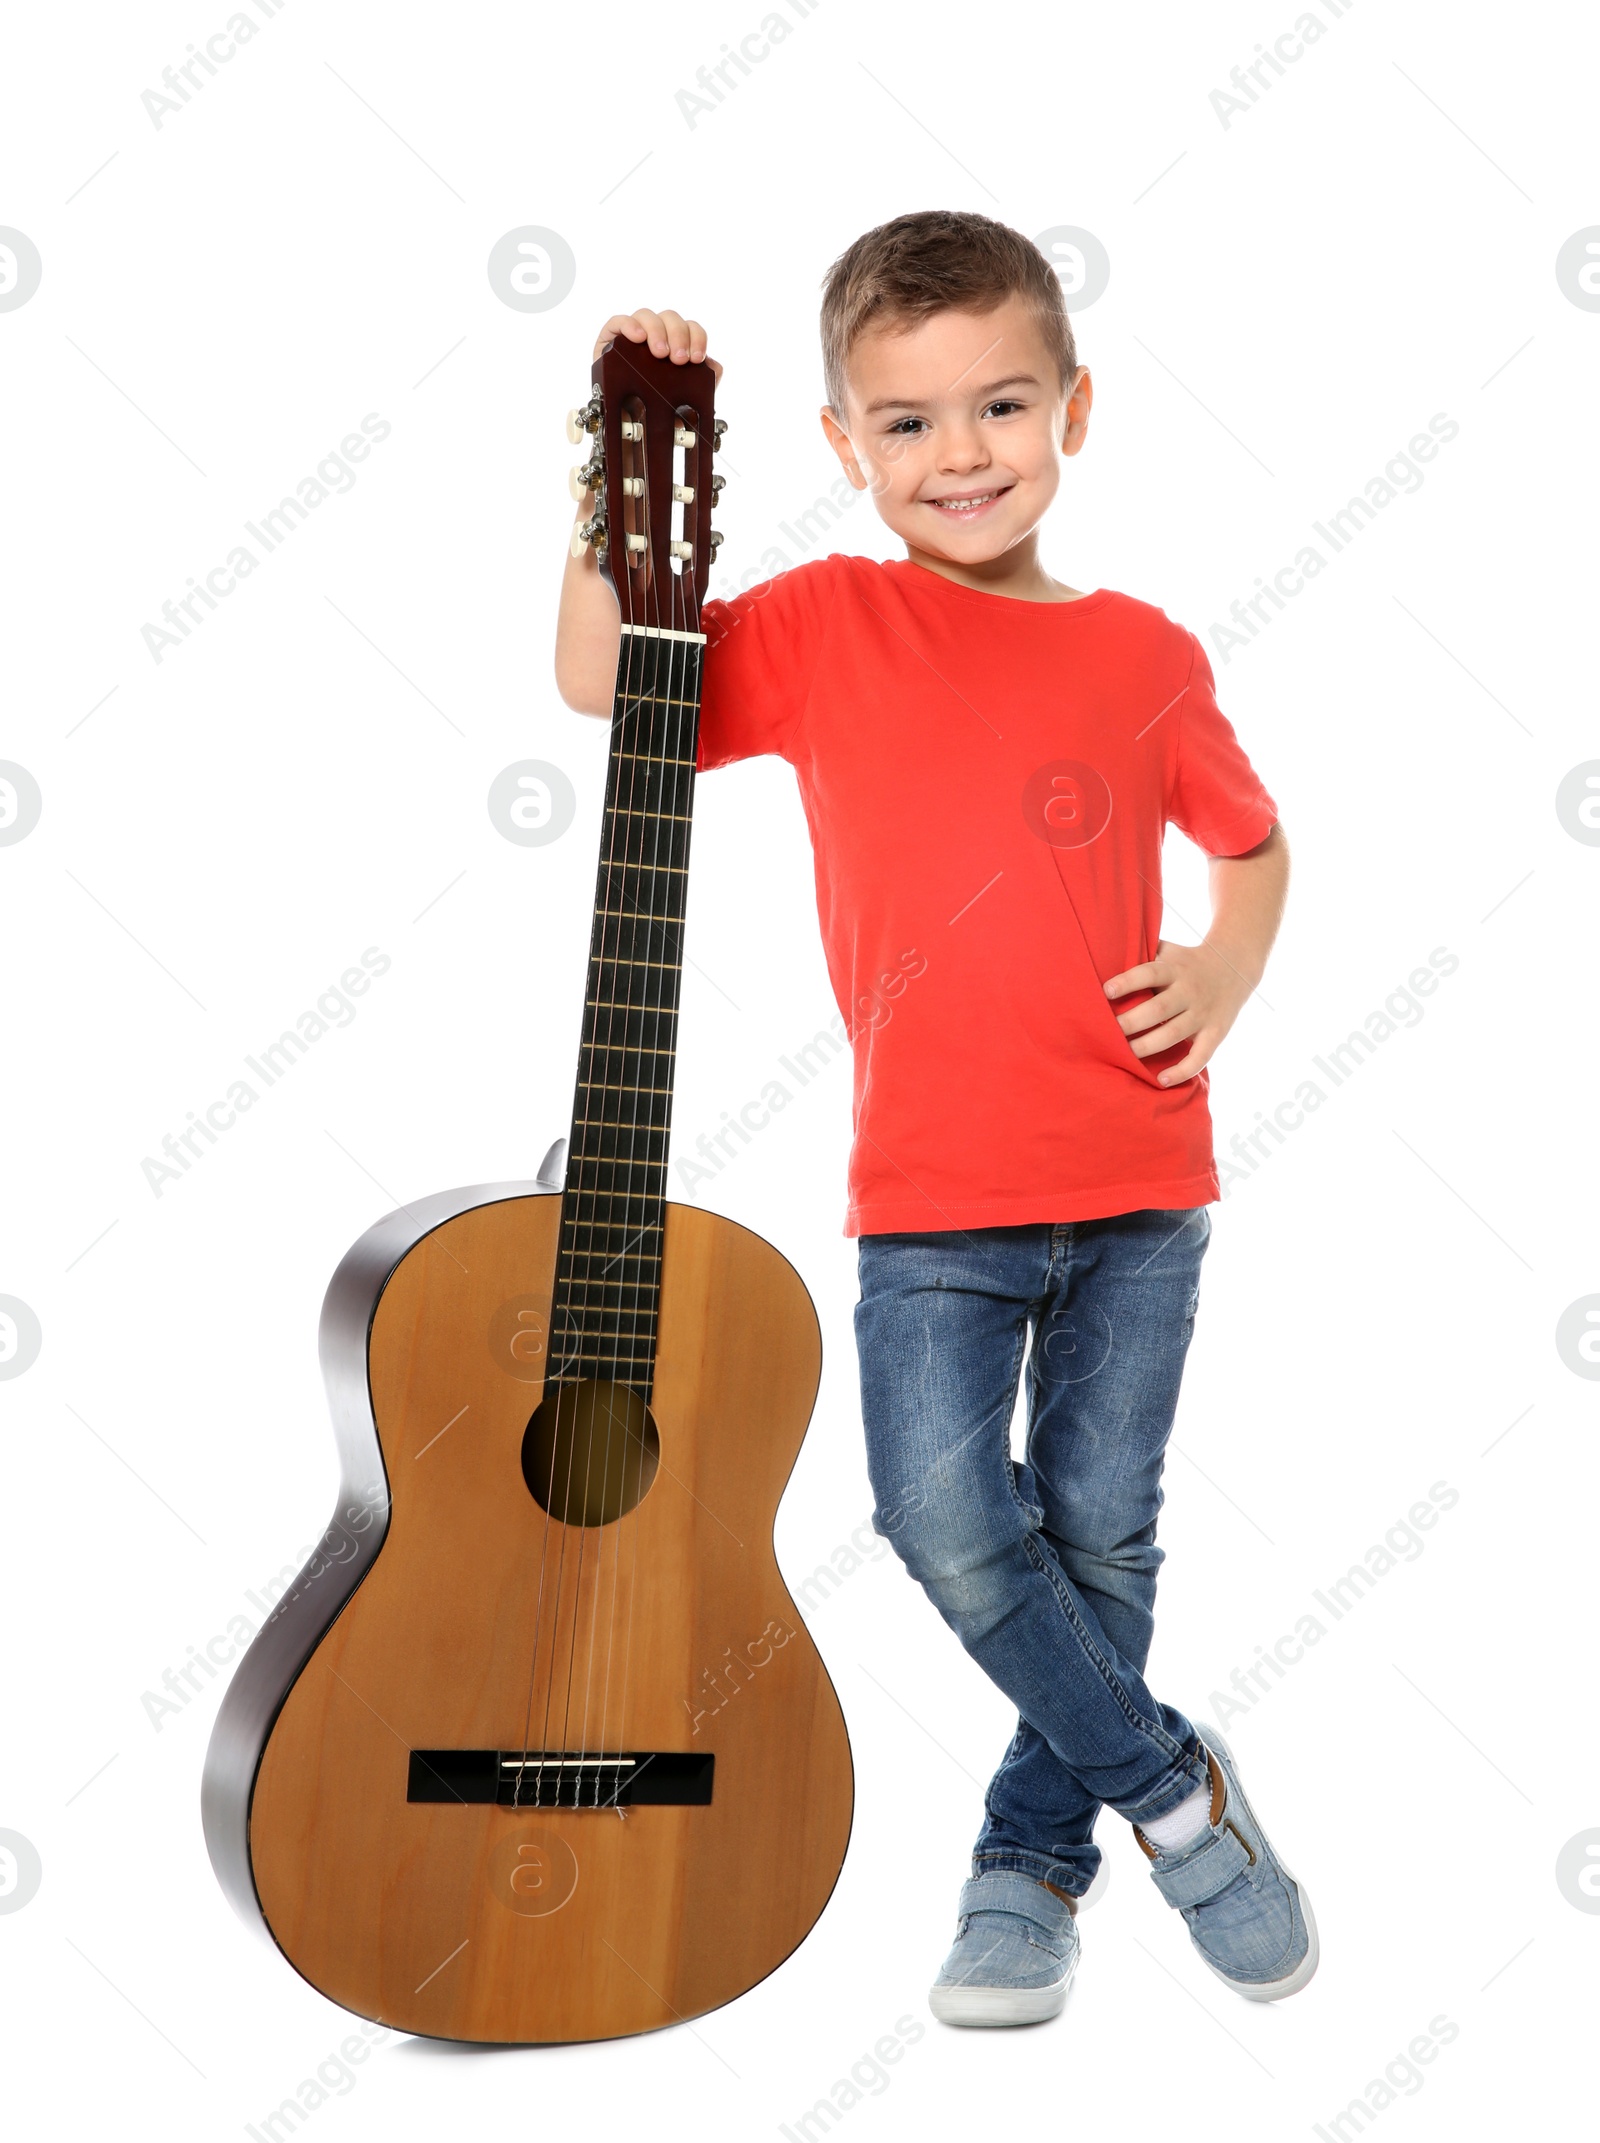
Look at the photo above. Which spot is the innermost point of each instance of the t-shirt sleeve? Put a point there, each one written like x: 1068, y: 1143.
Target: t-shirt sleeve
x: 1217, y: 797
x: 762, y: 650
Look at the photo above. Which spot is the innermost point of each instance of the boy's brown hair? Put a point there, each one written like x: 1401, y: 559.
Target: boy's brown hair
x: 936, y: 260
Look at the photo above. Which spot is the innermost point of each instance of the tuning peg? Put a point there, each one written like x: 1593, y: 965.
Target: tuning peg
x: 583, y: 421
x: 587, y: 477
x: 591, y: 531
x: 716, y: 539
x: 717, y: 485
x: 718, y: 426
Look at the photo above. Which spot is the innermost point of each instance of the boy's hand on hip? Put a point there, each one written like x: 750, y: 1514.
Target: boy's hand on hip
x: 1199, y: 994
x: 668, y: 335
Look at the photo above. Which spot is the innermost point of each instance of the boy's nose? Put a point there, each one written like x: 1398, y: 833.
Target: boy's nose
x: 962, y: 451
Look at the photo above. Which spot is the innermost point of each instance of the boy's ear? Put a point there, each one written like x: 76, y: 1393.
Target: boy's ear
x: 1080, y: 400
x: 839, y: 439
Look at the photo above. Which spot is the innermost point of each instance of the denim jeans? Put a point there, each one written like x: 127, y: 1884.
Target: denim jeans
x: 1045, y: 1570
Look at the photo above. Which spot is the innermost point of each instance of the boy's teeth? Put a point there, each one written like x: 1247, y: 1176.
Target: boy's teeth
x: 980, y: 498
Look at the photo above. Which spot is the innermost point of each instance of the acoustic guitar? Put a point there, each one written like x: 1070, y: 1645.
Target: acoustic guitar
x: 537, y: 1747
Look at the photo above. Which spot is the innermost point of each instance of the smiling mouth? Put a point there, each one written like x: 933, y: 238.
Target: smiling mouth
x: 969, y: 502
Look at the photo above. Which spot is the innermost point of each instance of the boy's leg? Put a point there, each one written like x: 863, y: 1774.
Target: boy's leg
x: 1103, y: 1377
x: 941, y: 1328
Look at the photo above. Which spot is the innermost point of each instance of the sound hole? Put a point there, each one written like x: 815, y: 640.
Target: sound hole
x: 590, y: 1452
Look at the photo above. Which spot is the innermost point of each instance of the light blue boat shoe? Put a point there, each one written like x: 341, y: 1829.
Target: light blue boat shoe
x: 1015, y: 1952
x: 1247, y: 1915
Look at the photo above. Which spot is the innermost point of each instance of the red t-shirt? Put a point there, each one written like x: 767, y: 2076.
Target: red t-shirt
x: 987, y: 782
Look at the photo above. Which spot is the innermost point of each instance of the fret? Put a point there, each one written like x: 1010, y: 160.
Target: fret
x: 618, y: 863
x: 632, y: 810
x: 579, y: 1320
x: 624, y: 1346
x: 592, y: 1190
x: 608, y: 1253
x: 591, y: 1235
x: 626, y: 1196
x: 632, y: 1130
x: 610, y: 1086
x: 644, y: 927
x: 643, y: 1134
x: 617, y: 1282
x: 628, y: 1049
x: 631, y: 1364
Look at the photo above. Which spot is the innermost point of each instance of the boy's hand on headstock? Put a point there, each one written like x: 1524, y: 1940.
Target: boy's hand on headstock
x: 1199, y: 994
x: 667, y: 334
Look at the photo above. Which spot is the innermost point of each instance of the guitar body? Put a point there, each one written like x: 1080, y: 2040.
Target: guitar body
x: 447, y: 1611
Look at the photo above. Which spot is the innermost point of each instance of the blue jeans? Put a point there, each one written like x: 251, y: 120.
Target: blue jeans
x: 1046, y: 1570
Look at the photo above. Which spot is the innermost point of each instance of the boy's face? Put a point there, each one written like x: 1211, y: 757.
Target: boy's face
x: 957, y: 427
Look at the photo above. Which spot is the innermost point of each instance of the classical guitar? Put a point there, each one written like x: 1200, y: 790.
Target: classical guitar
x: 537, y: 1747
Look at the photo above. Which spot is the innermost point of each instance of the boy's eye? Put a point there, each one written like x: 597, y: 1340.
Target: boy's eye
x: 900, y: 426
x: 1004, y: 408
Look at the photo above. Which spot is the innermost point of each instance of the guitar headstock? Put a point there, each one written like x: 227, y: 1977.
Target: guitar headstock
x: 651, y: 430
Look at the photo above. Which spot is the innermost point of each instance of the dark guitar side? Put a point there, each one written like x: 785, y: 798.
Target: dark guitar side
x: 405, y: 1912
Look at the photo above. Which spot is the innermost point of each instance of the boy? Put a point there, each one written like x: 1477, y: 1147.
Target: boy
x: 987, y: 760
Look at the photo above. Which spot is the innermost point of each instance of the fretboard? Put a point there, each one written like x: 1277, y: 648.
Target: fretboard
x: 608, y: 1272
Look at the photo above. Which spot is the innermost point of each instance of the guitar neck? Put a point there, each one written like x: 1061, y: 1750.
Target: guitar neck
x: 609, y: 1268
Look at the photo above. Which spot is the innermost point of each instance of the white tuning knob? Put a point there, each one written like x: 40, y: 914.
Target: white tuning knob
x: 576, y: 484
x: 576, y: 428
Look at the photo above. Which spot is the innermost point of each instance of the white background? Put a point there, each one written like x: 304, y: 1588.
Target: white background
x: 1292, y: 297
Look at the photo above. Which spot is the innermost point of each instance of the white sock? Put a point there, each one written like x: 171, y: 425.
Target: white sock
x: 1181, y: 1825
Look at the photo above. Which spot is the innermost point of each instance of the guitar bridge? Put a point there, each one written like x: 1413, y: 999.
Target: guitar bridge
x: 544, y: 1778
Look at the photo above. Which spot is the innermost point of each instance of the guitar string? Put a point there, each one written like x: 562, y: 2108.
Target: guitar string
x: 571, y: 1229
x: 674, y: 789
x: 578, y: 1299
x: 642, y: 995
x: 684, y: 726
x: 640, y: 829
x: 640, y: 691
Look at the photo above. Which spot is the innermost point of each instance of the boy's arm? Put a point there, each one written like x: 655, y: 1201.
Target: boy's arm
x: 588, y: 630
x: 1201, y: 989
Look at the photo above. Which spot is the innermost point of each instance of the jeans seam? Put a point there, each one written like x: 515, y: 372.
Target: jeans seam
x: 1018, y: 1352
x: 1018, y: 1860
x: 1152, y: 1729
